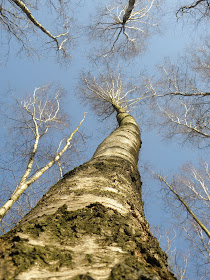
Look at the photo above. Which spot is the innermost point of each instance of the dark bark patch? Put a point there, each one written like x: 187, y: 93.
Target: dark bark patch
x: 99, y: 165
x: 24, y: 256
x: 122, y: 271
x: 67, y: 227
x: 83, y: 277
x: 153, y: 261
x: 132, y: 269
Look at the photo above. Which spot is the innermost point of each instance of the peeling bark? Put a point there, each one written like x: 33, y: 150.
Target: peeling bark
x: 91, y: 224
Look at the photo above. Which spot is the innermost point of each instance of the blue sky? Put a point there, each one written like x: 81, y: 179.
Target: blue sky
x: 22, y: 74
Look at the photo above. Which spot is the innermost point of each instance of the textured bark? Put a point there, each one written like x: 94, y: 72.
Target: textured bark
x: 91, y: 224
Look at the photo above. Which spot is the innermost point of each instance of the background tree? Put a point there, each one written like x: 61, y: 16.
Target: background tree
x: 123, y: 27
x: 199, y: 8
x: 182, y: 98
x: 181, y: 107
x: 189, y: 191
x: 34, y: 118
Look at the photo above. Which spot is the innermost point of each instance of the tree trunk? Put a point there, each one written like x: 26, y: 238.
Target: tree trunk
x: 129, y: 10
x: 91, y: 224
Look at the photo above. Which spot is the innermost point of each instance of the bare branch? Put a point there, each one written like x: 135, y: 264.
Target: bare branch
x: 203, y: 6
x: 133, y: 20
x: 108, y: 92
x: 23, y: 186
x: 18, y: 20
x: 181, y: 103
x: 188, y: 198
x: 41, y: 113
x: 185, y: 205
x: 185, y: 123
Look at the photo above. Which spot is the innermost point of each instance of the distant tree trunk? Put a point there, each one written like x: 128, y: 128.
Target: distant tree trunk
x: 91, y: 224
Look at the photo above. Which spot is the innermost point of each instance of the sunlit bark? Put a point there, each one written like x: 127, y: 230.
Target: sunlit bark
x: 90, y: 224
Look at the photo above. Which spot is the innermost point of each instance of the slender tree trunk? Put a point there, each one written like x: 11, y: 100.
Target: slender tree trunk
x: 91, y: 224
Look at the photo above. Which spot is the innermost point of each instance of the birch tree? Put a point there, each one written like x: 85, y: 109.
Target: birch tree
x: 181, y: 106
x: 91, y: 224
x: 182, y: 97
x: 37, y: 116
x: 123, y: 27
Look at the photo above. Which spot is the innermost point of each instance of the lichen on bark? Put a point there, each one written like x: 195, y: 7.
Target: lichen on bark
x: 91, y: 224
x: 65, y: 229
